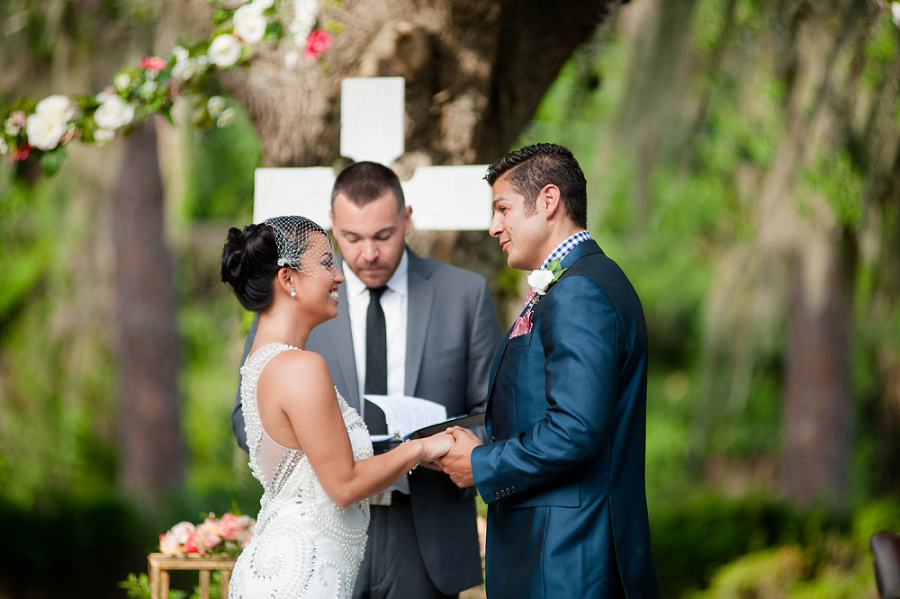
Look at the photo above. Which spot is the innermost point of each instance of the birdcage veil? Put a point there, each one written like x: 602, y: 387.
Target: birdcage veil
x: 302, y: 245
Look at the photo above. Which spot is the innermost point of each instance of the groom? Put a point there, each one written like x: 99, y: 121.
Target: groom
x: 563, y: 471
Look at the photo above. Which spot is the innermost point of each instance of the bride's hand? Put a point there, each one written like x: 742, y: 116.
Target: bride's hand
x: 437, y: 446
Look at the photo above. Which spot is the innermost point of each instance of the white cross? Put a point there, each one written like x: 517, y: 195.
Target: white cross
x: 444, y: 198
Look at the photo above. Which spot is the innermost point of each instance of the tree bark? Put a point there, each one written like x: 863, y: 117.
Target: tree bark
x: 151, y: 444
x: 818, y: 402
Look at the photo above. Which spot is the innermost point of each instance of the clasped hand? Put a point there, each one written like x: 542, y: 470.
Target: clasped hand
x: 451, y: 453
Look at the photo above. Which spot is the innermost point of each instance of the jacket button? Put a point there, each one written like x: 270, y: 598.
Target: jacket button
x: 513, y: 489
x: 496, y: 494
x: 493, y: 438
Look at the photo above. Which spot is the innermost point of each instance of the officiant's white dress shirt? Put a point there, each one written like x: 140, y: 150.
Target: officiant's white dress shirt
x: 394, y: 303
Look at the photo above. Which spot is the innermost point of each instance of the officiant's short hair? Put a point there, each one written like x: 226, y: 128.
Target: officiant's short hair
x: 364, y: 182
x: 533, y: 167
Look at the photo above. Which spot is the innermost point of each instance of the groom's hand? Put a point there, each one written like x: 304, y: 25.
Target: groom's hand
x: 458, y: 461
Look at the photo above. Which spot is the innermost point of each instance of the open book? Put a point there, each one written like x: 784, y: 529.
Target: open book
x: 394, y: 419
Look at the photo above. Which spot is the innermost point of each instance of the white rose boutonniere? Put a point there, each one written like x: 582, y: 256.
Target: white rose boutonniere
x: 542, y: 280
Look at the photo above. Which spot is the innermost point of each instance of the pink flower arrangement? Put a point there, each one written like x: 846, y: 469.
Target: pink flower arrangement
x: 228, y: 534
x: 317, y: 44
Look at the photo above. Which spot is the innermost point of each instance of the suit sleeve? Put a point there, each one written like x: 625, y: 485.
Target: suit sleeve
x: 483, y: 337
x: 237, y: 416
x: 579, y: 330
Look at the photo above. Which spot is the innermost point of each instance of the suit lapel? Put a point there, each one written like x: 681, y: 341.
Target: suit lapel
x: 419, y: 302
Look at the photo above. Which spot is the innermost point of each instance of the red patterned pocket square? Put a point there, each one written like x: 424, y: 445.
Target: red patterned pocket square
x: 523, y: 325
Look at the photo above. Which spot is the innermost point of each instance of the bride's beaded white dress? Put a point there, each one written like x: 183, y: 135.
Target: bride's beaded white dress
x: 304, y: 545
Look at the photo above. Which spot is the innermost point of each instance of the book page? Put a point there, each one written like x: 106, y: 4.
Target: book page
x: 405, y: 414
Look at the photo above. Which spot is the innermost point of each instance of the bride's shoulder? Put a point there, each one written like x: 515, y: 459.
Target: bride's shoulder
x: 306, y: 365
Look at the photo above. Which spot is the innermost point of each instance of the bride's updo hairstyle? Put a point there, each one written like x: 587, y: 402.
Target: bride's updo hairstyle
x: 253, y: 256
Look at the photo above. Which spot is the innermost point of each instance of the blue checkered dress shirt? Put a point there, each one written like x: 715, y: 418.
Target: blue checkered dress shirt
x: 565, y: 247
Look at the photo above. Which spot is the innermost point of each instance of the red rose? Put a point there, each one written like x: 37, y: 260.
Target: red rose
x: 153, y: 63
x: 190, y: 546
x: 22, y: 153
x: 317, y: 43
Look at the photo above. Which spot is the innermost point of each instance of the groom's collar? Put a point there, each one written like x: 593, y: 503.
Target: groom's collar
x: 565, y: 247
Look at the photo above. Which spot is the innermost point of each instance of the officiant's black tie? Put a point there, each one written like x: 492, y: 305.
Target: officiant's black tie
x: 376, y: 360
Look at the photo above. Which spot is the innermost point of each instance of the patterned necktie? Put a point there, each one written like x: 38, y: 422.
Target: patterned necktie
x: 376, y: 360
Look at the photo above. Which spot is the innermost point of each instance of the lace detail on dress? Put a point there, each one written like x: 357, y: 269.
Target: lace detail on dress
x: 304, y: 545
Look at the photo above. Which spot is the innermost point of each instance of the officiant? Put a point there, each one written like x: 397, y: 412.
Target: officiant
x: 406, y: 325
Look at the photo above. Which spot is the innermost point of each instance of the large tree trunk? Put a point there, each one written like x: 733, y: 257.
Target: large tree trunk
x: 151, y: 445
x: 475, y: 72
x: 818, y: 403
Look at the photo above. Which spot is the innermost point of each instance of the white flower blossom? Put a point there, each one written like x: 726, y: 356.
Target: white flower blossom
x: 122, y: 81
x: 102, y: 136
x: 540, y: 280
x: 148, y: 88
x: 3, y: 147
x: 11, y: 128
x: 113, y: 113
x: 45, y: 130
x: 291, y: 59
x: 895, y: 13
x: 180, y: 53
x: 262, y: 5
x: 215, y: 106
x: 57, y: 108
x: 224, y: 51
x: 249, y: 23
x: 225, y: 117
x: 184, y: 69
x: 305, y: 13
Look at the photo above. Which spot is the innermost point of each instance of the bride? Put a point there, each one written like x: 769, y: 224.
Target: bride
x: 308, y: 448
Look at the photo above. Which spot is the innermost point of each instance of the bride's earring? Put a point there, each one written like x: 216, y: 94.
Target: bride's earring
x: 293, y: 293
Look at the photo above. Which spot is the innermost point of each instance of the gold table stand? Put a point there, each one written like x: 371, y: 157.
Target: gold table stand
x: 160, y: 564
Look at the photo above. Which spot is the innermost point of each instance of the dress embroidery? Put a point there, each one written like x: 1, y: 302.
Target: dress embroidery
x: 304, y: 546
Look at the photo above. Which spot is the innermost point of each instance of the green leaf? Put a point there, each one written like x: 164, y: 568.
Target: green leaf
x: 51, y: 161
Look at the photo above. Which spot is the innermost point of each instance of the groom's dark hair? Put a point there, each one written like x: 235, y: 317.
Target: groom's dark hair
x: 363, y: 182
x: 534, y: 167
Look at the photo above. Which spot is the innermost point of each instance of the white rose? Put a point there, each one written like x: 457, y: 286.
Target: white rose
x: 57, y: 108
x: 224, y: 51
x: 249, y: 24
x: 148, y: 88
x: 102, y: 136
x: 44, y: 131
x: 181, y: 531
x: 11, y: 128
x: 215, y: 106
x: 895, y: 13
x: 540, y: 280
x: 262, y: 5
x: 184, y: 70
x: 225, y: 117
x: 180, y: 53
x: 122, y: 81
x: 168, y: 545
x: 113, y: 113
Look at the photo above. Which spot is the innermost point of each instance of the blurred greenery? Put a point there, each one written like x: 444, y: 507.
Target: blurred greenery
x: 721, y: 526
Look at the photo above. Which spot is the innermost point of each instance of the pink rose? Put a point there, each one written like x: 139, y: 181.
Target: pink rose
x: 317, y: 43
x: 230, y: 527
x: 190, y: 545
x: 18, y: 118
x: 153, y: 63
x: 208, y: 535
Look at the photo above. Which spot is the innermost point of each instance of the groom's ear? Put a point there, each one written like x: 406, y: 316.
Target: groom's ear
x: 550, y: 200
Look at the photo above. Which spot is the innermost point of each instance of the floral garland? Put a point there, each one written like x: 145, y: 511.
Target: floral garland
x: 228, y: 534
x: 41, y: 130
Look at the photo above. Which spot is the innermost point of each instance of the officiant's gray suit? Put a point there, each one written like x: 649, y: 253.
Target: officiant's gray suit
x: 452, y: 333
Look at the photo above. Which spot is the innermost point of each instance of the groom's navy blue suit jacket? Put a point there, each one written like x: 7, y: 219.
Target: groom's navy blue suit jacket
x: 563, y: 473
